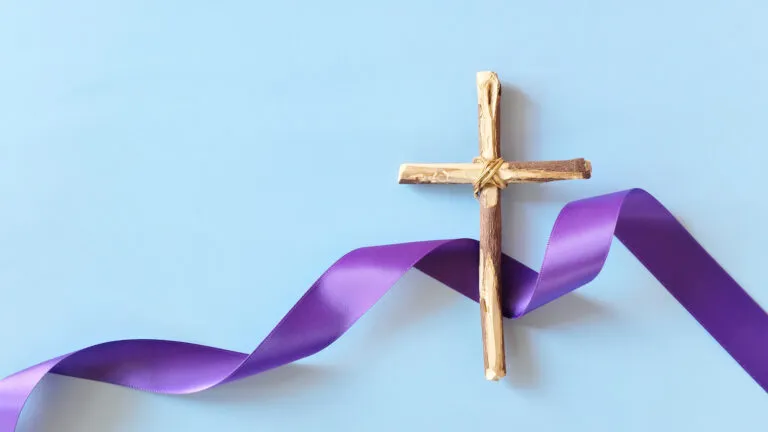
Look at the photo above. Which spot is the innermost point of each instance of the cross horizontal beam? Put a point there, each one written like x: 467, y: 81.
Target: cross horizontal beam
x: 510, y: 172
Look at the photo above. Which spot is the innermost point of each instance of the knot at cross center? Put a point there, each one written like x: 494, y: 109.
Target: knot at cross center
x: 489, y: 176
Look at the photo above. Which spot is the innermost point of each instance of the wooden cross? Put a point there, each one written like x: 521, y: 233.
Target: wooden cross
x: 489, y: 174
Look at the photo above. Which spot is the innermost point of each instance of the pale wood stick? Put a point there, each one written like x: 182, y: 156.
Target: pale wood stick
x: 488, y: 107
x: 510, y: 172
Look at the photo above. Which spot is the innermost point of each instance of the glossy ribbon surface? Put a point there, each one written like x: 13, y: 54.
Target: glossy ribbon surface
x: 577, y: 249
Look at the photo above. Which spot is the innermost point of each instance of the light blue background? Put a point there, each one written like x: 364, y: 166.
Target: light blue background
x: 185, y: 170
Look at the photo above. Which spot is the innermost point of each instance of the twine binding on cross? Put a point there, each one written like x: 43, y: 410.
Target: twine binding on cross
x: 489, y: 176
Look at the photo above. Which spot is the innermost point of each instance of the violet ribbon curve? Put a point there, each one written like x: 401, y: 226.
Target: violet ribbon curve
x: 575, y: 254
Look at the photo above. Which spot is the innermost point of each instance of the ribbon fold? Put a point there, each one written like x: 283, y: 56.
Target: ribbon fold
x: 575, y: 254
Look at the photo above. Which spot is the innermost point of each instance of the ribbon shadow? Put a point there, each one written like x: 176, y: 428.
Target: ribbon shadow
x: 273, y: 386
x: 64, y: 404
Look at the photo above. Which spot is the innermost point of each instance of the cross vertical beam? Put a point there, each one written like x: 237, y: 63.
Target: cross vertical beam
x: 488, y: 114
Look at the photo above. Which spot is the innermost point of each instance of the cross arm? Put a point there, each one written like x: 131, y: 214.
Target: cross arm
x: 510, y: 172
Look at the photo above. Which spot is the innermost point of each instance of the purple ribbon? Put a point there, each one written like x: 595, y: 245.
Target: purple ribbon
x: 577, y: 249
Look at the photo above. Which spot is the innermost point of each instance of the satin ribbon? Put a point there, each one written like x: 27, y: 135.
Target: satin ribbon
x: 577, y: 249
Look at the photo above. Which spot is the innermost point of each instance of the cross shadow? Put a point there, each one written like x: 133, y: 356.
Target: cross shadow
x: 568, y: 311
x: 519, y: 139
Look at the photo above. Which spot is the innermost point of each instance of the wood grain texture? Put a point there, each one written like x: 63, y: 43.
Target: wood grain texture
x: 510, y: 172
x: 488, y: 107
